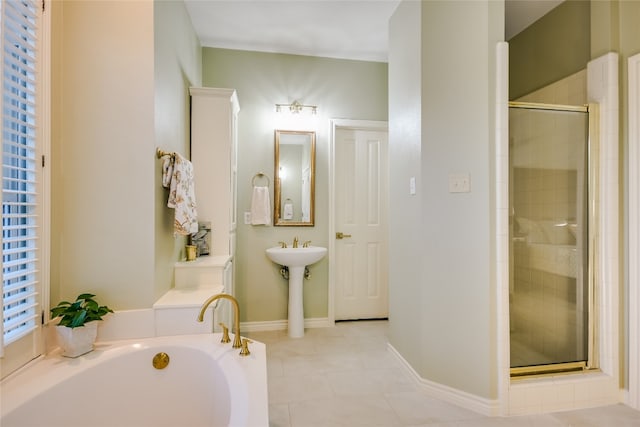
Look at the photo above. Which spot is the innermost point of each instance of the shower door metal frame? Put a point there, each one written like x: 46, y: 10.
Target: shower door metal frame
x: 592, y: 362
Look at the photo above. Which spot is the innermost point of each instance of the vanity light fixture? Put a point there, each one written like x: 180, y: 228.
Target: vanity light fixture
x: 296, y: 108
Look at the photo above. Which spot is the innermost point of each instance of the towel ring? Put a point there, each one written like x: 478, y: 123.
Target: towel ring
x: 260, y: 175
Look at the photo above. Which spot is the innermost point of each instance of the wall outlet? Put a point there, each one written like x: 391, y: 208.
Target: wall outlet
x: 247, y: 217
x: 459, y: 183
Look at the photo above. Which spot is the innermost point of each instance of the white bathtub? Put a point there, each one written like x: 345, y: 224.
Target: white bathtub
x: 205, y: 384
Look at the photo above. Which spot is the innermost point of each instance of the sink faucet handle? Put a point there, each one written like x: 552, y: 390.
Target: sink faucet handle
x: 245, y: 347
x: 282, y: 244
x: 306, y: 244
x: 225, y: 334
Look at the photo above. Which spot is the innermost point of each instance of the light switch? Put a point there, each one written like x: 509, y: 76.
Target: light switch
x: 247, y: 217
x: 412, y: 185
x: 459, y: 183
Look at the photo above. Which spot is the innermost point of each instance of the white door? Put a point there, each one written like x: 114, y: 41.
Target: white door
x: 360, y: 219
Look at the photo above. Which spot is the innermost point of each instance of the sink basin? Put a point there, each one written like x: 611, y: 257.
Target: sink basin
x: 296, y: 257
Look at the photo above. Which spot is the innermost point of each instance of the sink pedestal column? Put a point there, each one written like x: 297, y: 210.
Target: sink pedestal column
x: 296, y: 311
x: 296, y: 259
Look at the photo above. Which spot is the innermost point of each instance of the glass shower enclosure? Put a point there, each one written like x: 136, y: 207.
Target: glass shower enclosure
x: 551, y: 192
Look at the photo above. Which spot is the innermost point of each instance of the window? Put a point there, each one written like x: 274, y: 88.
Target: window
x: 21, y: 171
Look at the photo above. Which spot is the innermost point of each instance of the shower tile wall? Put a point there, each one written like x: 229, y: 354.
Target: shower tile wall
x: 544, y: 323
x: 571, y: 90
x: 543, y: 312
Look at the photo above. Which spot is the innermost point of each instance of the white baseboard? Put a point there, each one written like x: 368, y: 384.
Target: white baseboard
x: 625, y: 397
x: 461, y: 398
x: 281, y: 325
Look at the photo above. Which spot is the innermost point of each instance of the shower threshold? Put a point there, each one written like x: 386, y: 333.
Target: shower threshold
x: 555, y: 369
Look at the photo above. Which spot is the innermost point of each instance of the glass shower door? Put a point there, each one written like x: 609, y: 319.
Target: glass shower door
x: 549, y: 287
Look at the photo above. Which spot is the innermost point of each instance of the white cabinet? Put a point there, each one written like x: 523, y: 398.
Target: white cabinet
x: 224, y: 312
x: 195, y: 281
x: 214, y: 135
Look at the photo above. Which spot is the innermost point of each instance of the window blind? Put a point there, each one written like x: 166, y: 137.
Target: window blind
x: 18, y: 20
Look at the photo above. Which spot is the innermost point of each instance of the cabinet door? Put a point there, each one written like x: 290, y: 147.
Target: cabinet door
x: 224, y: 312
x: 234, y: 172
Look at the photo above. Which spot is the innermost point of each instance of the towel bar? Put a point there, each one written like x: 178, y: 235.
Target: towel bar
x: 161, y: 153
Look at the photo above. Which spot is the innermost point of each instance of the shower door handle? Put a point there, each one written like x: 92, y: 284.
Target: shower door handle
x: 341, y: 235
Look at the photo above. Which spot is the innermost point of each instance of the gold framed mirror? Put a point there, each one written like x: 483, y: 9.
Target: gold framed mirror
x: 295, y: 176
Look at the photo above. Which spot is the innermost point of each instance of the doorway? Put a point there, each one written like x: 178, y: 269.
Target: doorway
x: 358, y: 282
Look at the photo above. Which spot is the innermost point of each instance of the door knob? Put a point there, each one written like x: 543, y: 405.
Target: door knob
x: 341, y: 235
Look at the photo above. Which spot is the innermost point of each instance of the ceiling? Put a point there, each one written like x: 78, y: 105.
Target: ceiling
x: 346, y: 29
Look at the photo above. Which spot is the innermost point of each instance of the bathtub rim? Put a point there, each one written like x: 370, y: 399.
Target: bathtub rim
x: 249, y: 404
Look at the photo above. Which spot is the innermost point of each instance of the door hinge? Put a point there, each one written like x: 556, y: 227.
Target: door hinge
x: 43, y: 5
x: 43, y: 160
x: 42, y: 317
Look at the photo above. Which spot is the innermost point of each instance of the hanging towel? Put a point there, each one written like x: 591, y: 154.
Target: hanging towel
x: 260, y: 206
x: 167, y: 170
x: 287, y: 211
x: 177, y: 175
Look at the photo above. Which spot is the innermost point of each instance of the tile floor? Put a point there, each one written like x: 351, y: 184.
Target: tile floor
x: 345, y: 376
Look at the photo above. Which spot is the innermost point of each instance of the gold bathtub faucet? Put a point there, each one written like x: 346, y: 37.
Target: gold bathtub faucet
x: 236, y: 317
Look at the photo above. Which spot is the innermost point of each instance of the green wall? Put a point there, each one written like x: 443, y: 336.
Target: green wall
x: 554, y: 47
x: 341, y: 89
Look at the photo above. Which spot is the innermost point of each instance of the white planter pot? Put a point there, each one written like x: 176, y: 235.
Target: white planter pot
x: 77, y: 341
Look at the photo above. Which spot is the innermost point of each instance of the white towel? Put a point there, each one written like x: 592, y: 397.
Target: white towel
x: 260, y: 206
x: 177, y: 175
x: 287, y: 211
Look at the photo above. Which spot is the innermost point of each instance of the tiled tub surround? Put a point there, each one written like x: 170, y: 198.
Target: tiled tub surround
x: 347, y: 376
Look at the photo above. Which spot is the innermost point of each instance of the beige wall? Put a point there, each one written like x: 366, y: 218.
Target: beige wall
x: 441, y: 112
x: 340, y: 89
x: 115, y: 98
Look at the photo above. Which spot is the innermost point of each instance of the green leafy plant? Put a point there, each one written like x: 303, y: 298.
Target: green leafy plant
x: 74, y: 314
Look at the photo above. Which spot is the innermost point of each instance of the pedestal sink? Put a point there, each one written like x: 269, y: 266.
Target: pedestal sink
x: 296, y: 259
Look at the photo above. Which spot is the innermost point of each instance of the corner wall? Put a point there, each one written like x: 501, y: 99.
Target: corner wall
x: 445, y: 302
x: 178, y: 66
x: 405, y: 146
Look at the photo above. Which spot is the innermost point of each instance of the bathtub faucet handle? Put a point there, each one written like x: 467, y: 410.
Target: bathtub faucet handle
x: 245, y: 347
x: 225, y: 334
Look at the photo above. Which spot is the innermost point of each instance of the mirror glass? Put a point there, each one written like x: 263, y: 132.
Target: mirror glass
x: 294, y: 189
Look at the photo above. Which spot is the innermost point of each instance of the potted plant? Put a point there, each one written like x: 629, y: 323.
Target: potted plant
x: 77, y: 329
